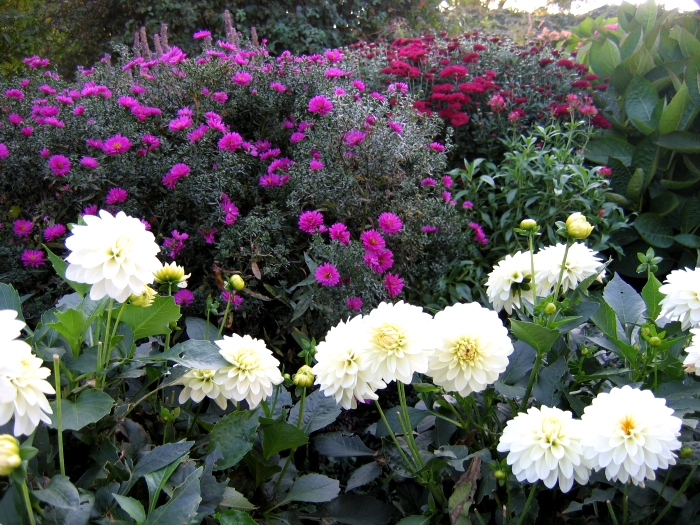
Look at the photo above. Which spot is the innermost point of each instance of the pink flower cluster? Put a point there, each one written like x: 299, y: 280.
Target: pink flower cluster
x: 176, y: 243
x: 230, y: 210
x: 177, y: 172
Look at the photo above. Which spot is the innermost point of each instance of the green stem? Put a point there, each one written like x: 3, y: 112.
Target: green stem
x: 531, y: 245
x: 677, y: 494
x: 105, y: 344
x: 531, y: 496
x: 531, y: 382
x: 59, y: 417
x: 223, y: 322
x: 561, y: 271
x: 301, y: 407
x: 194, y: 420
x: 302, y: 402
x: 28, y: 503
x: 167, y: 336
x: 611, y: 512
x: 408, y: 430
x: 409, y: 467
x: 625, y: 506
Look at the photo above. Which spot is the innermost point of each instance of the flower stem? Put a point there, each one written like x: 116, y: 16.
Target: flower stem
x: 223, y: 322
x: 611, y: 512
x: 625, y: 506
x: 408, y: 428
x: 531, y: 382
x: 677, y: 494
x: 396, y: 442
x: 302, y: 402
x: 561, y: 271
x: 530, y: 497
x: 105, y: 344
x: 59, y: 417
x: 28, y: 503
x: 293, y: 451
x: 531, y: 245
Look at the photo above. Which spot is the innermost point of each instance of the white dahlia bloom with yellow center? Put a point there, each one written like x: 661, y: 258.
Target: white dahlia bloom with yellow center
x: 682, y: 297
x: 201, y: 383
x: 545, y: 444
x: 116, y: 255
x: 630, y: 433
x: 341, y: 369
x: 474, y: 350
x: 581, y: 263
x: 397, y: 340
x: 509, y: 281
x: 692, y: 360
x: 253, y: 371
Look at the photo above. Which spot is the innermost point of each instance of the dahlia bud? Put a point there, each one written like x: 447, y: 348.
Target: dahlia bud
x: 686, y: 452
x: 172, y: 274
x: 645, y: 331
x: 145, y: 298
x: 585, y: 351
x: 654, y: 341
x: 577, y: 226
x: 550, y: 309
x: 499, y: 474
x: 304, y: 377
x: 528, y: 224
x: 236, y: 282
x: 9, y: 454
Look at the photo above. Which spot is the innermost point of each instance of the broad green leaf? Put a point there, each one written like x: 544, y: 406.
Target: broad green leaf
x: 638, y: 63
x: 632, y: 42
x: 60, y: 493
x: 538, y: 337
x: 72, y: 324
x: 196, y: 353
x: 605, y: 319
x: 363, y: 475
x: 415, y: 520
x: 339, y: 445
x: 356, y: 509
x: 602, y: 149
x: 688, y: 240
x: 604, y: 57
x: 157, y: 459
x: 9, y: 300
x: 60, y: 266
x: 153, y: 320
x: 281, y: 436
x: 641, y: 100
x: 132, y: 507
x: 235, y: 500
x: 655, y: 230
x: 197, y: 329
x: 624, y: 300
x: 549, y: 383
x: 235, y: 434
x: 636, y: 187
x: 690, y: 215
x: 674, y: 116
x: 692, y: 79
x: 682, y: 141
x: 183, y: 504
x: 319, y: 411
x: 90, y: 407
x: 302, y: 306
x: 664, y: 203
x: 236, y: 517
x: 652, y: 297
x: 690, y: 46
x: 646, y: 15
x: 156, y: 480
x: 313, y: 488
x: 460, y: 501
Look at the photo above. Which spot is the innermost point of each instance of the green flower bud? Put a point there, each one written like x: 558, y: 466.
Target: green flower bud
x: 577, y: 226
x: 528, y: 224
x: 235, y: 282
x: 304, y: 377
x: 585, y: 351
x: 500, y: 475
x: 9, y: 454
x: 550, y: 309
x: 686, y: 452
x: 645, y: 331
x: 654, y: 341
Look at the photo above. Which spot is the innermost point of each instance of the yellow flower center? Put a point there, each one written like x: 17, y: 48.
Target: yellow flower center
x: 389, y: 338
x: 247, y: 360
x: 204, y: 375
x: 627, y: 425
x: 466, y: 349
x: 116, y: 145
x: 122, y: 246
x: 551, y: 428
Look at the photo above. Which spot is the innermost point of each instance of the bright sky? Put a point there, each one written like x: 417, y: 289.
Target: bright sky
x: 580, y: 7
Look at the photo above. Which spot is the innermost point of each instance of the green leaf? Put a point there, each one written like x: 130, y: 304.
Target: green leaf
x: 652, y: 297
x: 236, y: 517
x: 235, y: 434
x: 319, y: 411
x: 363, y: 475
x: 60, y: 493
x: 604, y: 57
x: 305, y: 301
x: 415, y: 416
x: 60, y: 266
x: 674, y: 117
x: 538, y: 337
x: 9, y: 300
x: 339, y: 445
x: 692, y: 79
x: 132, y: 507
x: 646, y: 15
x: 549, y: 382
x: 690, y: 215
x: 605, y: 319
x: 460, y: 501
x: 281, y: 436
x: 688, y: 240
x: 197, y: 329
x: 196, y: 353
x: 655, y: 230
x: 636, y: 187
x: 156, y: 480
x: 90, y: 407
x: 624, y: 300
x: 153, y: 320
x: 157, y: 459
x: 235, y: 500
x: 664, y: 203
x: 355, y: 509
x: 690, y: 46
x: 183, y: 504
x: 415, y: 520
x: 641, y: 100
x: 682, y: 141
x: 602, y: 149
x: 72, y: 324
x: 313, y: 488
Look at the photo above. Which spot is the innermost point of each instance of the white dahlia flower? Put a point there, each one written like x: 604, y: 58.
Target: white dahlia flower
x: 341, y: 366
x: 503, y: 287
x: 23, y: 389
x: 116, y: 255
x: 10, y: 330
x: 692, y: 360
x: 201, y: 383
x: 474, y: 350
x: 397, y: 340
x: 630, y: 433
x: 253, y: 371
x: 682, y: 297
x: 581, y: 263
x: 545, y: 444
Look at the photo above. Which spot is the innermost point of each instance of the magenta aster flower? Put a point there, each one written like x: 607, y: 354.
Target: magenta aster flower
x: 196, y: 134
x: 15, y: 119
x: 23, y: 228
x: 436, y: 146
x: 296, y: 137
x: 94, y: 143
x: 219, y: 97
x: 236, y: 300
x: 447, y: 181
x: 242, y: 78
x: 428, y: 181
x: 390, y: 223
x: 429, y: 229
x: 45, y: 152
x: 183, y: 297
x: 60, y: 165
x: 327, y: 275
x: 176, y: 173
x: 89, y: 162
x: 116, y: 145
x: 393, y: 284
x: 203, y: 33
x: 180, y: 123
x: 372, y: 240
x: 315, y: 165
x: 4, y: 152
x: 479, y: 235
x: 310, y: 221
x: 208, y: 235
x: 321, y: 105
x: 280, y: 88
x: 230, y: 141
x: 116, y: 195
x: 354, y: 303
x: 339, y: 232
x: 270, y: 180
x: 396, y: 126
x: 467, y: 205
x: 54, y: 232
x: 33, y: 258
x: 354, y: 137
x: 26, y: 131
x: 90, y: 210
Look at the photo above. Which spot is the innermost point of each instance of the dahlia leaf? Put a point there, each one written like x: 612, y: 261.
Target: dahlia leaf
x: 538, y: 337
x: 183, y: 505
x: 319, y: 411
x: 236, y: 517
x: 363, y: 475
x: 9, y: 300
x: 60, y: 493
x: 90, y: 407
x: 153, y: 320
x: 281, y: 436
x: 356, y: 509
x: 339, y: 445
x: 313, y: 488
x: 652, y: 297
x: 235, y: 434
x: 60, y: 266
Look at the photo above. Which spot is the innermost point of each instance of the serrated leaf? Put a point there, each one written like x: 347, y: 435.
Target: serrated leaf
x: 235, y: 500
x: 183, y: 504
x: 90, y: 407
x: 60, y: 493
x: 549, y: 382
x: 9, y: 300
x: 538, y: 337
x: 363, y: 475
x: 157, y: 459
x: 313, y: 488
x: 339, y: 445
x: 153, y: 320
x: 319, y: 411
x: 197, y: 329
x: 624, y: 300
x: 281, y: 436
x: 652, y: 297
x: 235, y: 434
x: 200, y: 354
x: 236, y: 517
x: 132, y: 507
